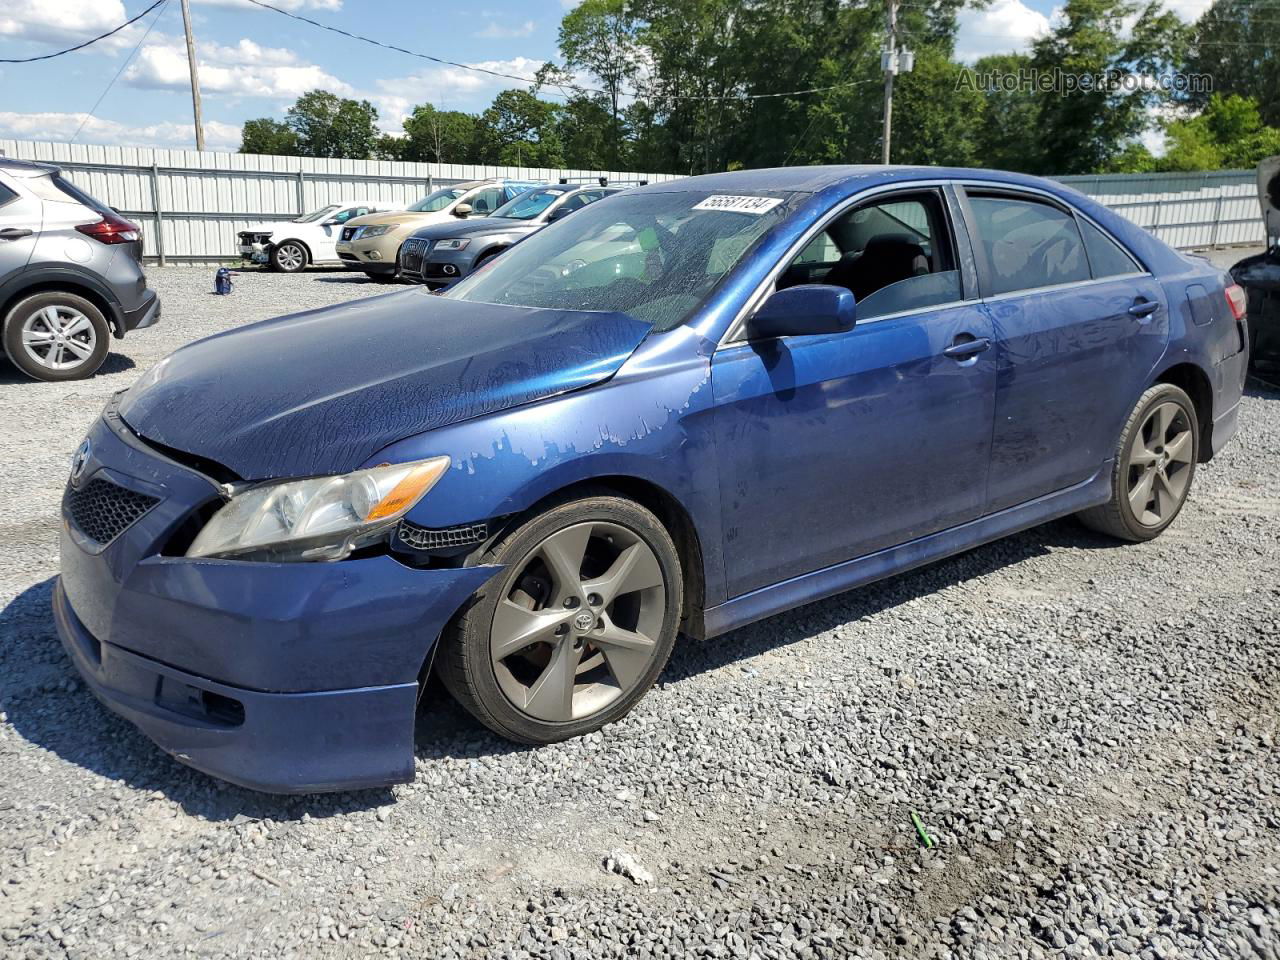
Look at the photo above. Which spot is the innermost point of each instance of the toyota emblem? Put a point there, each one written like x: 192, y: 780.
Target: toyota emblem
x: 584, y: 621
x: 80, y: 461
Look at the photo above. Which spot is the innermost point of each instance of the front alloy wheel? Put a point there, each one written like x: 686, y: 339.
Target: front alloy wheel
x: 289, y: 257
x: 577, y: 627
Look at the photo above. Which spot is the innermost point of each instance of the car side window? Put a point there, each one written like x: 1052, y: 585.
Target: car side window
x: 487, y: 200
x: 6, y: 195
x: 895, y: 254
x: 1106, y: 257
x: 1028, y: 243
x: 343, y: 216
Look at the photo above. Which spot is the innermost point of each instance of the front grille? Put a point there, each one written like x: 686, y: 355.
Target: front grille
x: 349, y: 233
x: 411, y: 255
x: 250, y: 236
x: 445, y: 538
x: 102, y: 510
x: 349, y: 256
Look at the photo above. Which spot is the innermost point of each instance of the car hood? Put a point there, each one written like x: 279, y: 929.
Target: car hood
x: 396, y: 216
x: 1269, y: 194
x: 475, y: 226
x: 321, y: 392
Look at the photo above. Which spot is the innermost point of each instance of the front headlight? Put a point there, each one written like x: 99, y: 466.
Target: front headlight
x: 322, y: 518
x: 378, y: 231
x: 452, y: 244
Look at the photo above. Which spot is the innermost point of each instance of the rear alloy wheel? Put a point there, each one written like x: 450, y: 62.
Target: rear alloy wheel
x: 575, y: 630
x: 56, y: 336
x: 1155, y: 464
x: 289, y: 257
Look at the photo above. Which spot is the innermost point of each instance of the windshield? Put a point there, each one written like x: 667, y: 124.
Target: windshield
x: 437, y: 200
x: 317, y: 214
x: 529, y: 204
x: 654, y: 256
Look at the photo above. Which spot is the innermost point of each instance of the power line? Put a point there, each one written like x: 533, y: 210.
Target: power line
x: 534, y: 80
x: 133, y: 53
x: 81, y: 46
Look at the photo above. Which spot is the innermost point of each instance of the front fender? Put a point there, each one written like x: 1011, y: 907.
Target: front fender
x: 643, y: 424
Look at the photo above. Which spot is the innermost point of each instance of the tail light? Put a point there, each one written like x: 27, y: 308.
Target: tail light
x: 111, y: 229
x: 1237, y: 300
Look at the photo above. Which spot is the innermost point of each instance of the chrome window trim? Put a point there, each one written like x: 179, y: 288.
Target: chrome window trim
x: 735, y: 332
x: 1092, y: 281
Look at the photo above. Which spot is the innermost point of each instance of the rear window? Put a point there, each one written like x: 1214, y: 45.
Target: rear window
x: 1106, y: 257
x: 58, y: 189
x: 1028, y: 244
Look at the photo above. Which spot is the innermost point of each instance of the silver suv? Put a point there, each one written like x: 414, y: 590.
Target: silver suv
x: 70, y: 274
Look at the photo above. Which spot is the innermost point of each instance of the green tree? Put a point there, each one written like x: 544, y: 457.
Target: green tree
x: 1228, y: 134
x: 266, y: 135
x: 440, y: 136
x: 1237, y: 44
x: 1007, y: 127
x: 519, y: 129
x: 330, y: 126
x: 1084, y: 130
x: 601, y: 38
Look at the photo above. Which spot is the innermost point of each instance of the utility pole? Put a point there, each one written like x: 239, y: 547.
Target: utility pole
x: 893, y: 60
x: 195, y: 73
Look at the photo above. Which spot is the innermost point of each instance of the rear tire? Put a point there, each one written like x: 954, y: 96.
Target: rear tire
x: 575, y: 630
x: 55, y: 336
x: 1155, y: 462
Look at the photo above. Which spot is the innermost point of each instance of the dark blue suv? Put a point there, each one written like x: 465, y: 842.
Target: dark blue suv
x: 682, y: 409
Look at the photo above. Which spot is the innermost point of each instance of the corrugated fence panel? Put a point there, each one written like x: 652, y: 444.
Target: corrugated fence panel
x: 1215, y: 208
x: 205, y: 198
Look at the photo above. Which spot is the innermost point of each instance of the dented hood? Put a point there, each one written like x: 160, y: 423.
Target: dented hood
x: 321, y: 392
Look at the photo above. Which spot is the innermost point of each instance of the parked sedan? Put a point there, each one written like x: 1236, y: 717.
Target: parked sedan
x: 690, y: 407
x: 311, y: 238
x: 444, y: 253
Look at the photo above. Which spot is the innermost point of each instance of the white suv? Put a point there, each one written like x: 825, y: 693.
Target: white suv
x: 289, y: 247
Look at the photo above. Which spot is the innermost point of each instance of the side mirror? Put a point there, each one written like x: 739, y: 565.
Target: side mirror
x: 807, y: 309
x: 462, y: 211
x: 559, y: 214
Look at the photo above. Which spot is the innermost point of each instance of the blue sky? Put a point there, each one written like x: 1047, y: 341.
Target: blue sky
x: 255, y: 63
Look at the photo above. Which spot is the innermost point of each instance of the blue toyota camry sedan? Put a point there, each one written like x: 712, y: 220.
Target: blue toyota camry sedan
x: 686, y: 407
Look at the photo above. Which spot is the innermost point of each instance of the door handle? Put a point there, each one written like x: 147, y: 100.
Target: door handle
x: 1144, y: 308
x: 14, y: 233
x: 966, y: 348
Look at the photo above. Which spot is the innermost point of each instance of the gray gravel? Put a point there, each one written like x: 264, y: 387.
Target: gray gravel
x: 1089, y: 732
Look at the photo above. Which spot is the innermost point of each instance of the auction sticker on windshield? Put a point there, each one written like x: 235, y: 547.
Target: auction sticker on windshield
x: 756, y: 205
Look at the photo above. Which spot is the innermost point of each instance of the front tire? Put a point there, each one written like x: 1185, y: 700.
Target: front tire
x: 1155, y: 463
x: 289, y: 257
x: 577, y: 627
x: 55, y: 336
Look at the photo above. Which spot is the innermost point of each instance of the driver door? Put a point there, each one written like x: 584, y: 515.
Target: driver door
x: 331, y: 229
x: 835, y: 446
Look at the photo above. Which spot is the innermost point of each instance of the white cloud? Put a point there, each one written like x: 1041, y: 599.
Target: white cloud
x: 496, y: 31
x: 449, y: 88
x: 246, y: 69
x: 1189, y: 10
x: 66, y: 22
x: 62, y: 126
x: 1006, y: 26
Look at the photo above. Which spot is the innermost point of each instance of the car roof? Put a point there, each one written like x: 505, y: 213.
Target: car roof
x: 26, y: 168
x: 853, y: 176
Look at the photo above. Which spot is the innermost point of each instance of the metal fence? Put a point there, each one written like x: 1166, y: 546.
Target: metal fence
x: 191, y: 204
x: 1183, y: 209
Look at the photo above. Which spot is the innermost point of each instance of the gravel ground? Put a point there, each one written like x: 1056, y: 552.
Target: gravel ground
x: 1088, y: 731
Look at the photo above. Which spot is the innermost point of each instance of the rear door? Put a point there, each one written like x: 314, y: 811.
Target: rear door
x: 20, y: 222
x: 1079, y: 324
